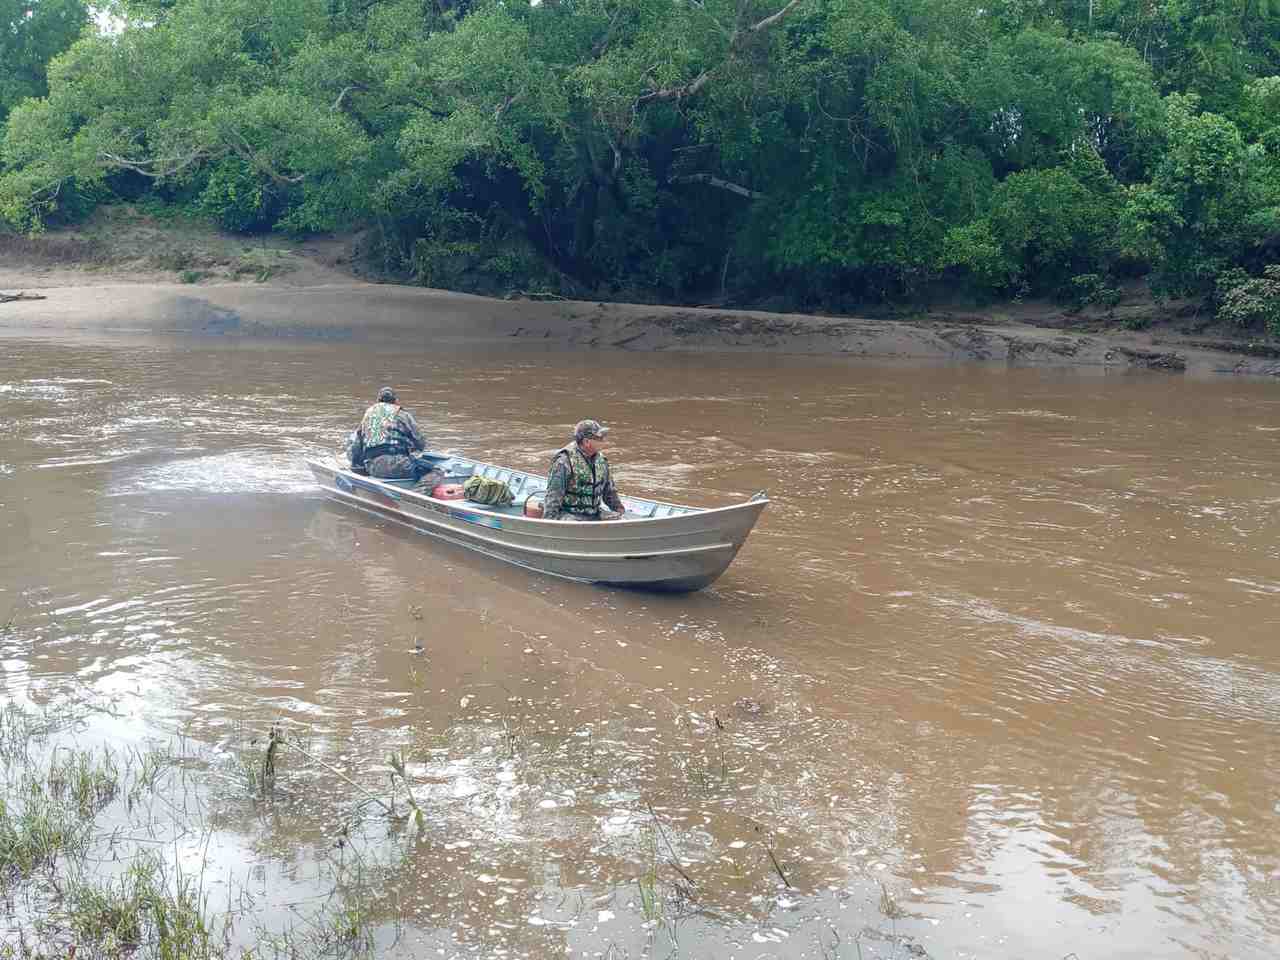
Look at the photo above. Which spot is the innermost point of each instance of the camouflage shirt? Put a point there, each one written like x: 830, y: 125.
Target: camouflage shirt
x: 558, y: 480
x: 403, y: 434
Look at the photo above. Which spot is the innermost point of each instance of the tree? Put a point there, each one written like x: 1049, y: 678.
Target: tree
x: 167, y: 102
x: 1199, y: 213
x: 819, y: 151
x: 33, y: 32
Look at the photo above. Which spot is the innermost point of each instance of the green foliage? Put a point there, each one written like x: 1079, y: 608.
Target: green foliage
x: 1046, y: 93
x: 33, y: 32
x: 1093, y: 290
x: 1206, y: 205
x: 1252, y: 301
x: 144, y: 910
x: 821, y: 152
x: 238, y: 198
x: 1042, y: 229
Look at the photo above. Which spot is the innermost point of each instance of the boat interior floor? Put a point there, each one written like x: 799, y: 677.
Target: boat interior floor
x: 525, y: 485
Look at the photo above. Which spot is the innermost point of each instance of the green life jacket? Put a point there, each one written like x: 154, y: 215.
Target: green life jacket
x: 582, y: 495
x: 380, y: 429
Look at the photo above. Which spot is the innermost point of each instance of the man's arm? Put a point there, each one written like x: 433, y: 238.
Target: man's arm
x: 557, y: 483
x: 357, y: 451
x: 610, y: 496
x: 410, y: 425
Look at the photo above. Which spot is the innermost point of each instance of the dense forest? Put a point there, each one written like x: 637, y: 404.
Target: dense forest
x: 812, y: 153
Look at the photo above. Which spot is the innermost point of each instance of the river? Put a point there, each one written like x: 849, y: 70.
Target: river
x: 995, y: 676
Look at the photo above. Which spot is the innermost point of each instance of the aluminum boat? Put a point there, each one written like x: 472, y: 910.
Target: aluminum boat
x: 654, y: 546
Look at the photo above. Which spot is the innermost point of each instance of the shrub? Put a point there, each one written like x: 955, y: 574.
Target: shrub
x: 1093, y: 290
x: 1252, y: 300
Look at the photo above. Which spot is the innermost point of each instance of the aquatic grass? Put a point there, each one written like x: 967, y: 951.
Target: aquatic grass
x: 348, y: 931
x: 87, y: 780
x: 35, y: 830
x: 21, y: 727
x: 47, y: 808
x: 396, y: 761
x: 150, y: 765
x: 17, y: 729
x: 51, y: 814
x: 142, y: 913
x: 889, y: 905
x: 254, y: 764
x: 664, y: 900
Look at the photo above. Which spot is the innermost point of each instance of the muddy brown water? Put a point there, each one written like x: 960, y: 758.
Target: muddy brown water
x: 996, y: 676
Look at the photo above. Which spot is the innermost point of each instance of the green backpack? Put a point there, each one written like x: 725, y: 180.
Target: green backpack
x: 495, y: 493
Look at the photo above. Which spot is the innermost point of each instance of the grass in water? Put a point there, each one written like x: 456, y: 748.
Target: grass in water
x: 143, y: 914
x: 35, y: 830
x: 89, y: 782
x: 16, y: 732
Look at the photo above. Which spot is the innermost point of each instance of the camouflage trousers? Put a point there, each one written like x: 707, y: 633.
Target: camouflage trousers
x: 398, y: 466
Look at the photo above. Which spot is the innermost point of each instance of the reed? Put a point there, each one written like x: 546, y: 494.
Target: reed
x: 36, y: 830
x: 145, y: 912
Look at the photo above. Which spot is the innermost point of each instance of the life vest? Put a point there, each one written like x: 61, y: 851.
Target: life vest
x: 381, y: 431
x: 582, y: 494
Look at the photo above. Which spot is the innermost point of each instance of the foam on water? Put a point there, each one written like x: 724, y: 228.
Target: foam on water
x: 240, y: 471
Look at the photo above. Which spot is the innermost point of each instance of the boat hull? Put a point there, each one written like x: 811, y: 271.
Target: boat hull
x: 684, y: 551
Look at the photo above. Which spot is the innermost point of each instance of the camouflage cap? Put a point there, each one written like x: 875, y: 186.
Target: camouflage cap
x: 386, y: 395
x: 590, y: 430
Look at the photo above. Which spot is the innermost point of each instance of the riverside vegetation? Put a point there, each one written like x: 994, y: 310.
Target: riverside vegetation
x: 796, y: 153
x: 90, y: 843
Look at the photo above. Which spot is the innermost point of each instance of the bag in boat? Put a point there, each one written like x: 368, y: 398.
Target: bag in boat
x: 485, y: 490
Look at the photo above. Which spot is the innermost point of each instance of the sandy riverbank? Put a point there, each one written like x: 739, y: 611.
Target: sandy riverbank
x: 282, y: 289
x: 419, y: 317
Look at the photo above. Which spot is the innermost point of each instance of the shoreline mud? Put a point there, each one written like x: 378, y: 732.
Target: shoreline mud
x: 361, y: 311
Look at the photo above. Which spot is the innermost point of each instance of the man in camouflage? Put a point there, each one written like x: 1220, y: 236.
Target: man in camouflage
x: 387, y: 440
x: 579, y: 484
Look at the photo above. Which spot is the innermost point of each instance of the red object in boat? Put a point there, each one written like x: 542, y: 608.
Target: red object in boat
x: 533, y: 507
x: 447, y: 491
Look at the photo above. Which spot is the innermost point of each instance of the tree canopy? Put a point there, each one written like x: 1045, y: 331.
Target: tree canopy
x: 33, y: 32
x: 827, y: 152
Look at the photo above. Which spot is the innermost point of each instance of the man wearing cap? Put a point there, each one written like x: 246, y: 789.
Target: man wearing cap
x: 387, y: 440
x: 579, y: 482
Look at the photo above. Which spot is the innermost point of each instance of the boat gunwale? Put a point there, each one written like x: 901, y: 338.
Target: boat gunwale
x: 414, y: 495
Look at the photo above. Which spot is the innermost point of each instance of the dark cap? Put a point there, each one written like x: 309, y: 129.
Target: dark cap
x: 590, y: 430
x: 386, y: 395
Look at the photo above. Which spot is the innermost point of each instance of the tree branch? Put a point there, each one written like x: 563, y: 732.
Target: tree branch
x: 708, y: 179
x: 337, y: 104
x: 613, y: 145
x: 506, y: 105
x: 769, y: 21
x: 157, y: 168
x: 677, y: 93
x: 735, y: 40
x: 600, y: 46
x: 246, y: 153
